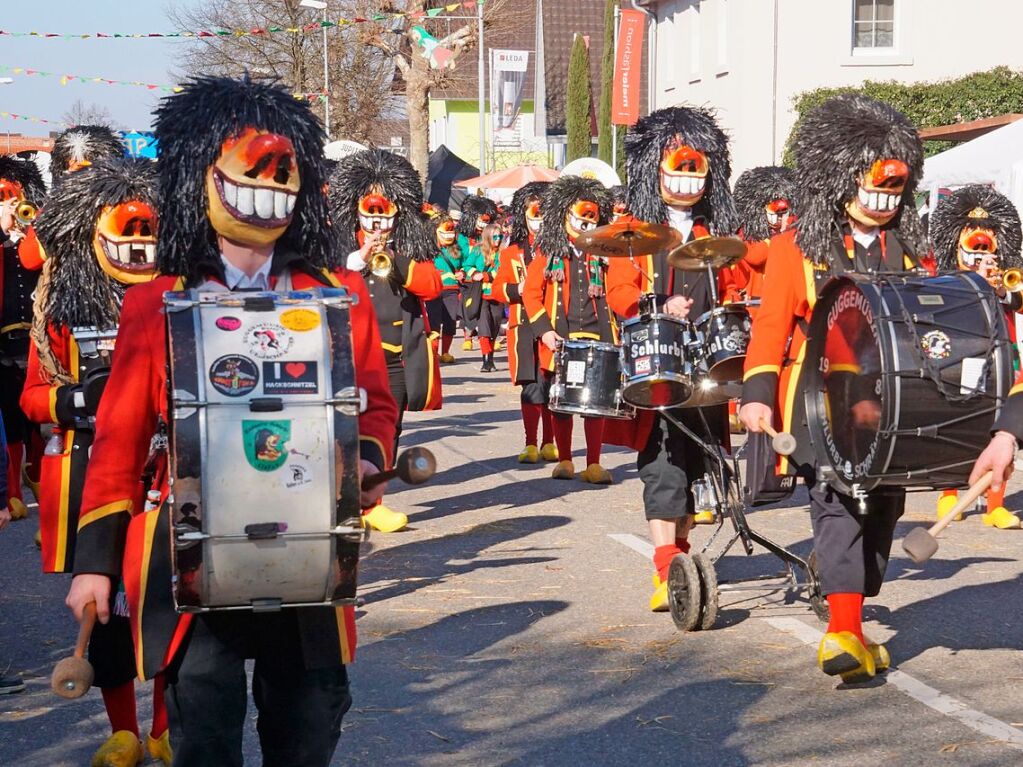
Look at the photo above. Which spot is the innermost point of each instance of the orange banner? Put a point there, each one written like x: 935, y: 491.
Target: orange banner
x: 628, y: 68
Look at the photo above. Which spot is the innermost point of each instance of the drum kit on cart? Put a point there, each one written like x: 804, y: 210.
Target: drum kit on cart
x: 904, y: 374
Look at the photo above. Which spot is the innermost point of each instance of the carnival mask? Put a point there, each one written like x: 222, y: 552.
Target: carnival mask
x: 620, y: 210
x: 777, y: 215
x: 10, y: 190
x: 125, y: 242
x: 481, y: 222
x: 377, y: 213
x: 583, y: 216
x: 253, y: 186
x: 533, y: 218
x: 880, y: 193
x: 976, y: 242
x: 446, y: 233
x: 683, y: 175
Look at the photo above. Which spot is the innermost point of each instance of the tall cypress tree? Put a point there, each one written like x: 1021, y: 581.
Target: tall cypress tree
x: 607, y: 70
x: 578, y: 103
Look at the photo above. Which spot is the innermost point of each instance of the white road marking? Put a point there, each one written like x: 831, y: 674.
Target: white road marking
x: 917, y: 690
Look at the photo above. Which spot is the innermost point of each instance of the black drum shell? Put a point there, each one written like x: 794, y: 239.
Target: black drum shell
x: 726, y: 333
x: 592, y: 385
x: 656, y: 361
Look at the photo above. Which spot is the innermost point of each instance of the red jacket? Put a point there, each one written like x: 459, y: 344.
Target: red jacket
x: 511, y: 271
x: 116, y: 537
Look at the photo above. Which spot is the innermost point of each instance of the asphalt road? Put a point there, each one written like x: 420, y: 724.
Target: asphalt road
x: 507, y: 626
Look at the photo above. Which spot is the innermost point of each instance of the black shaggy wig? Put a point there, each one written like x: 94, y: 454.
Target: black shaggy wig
x: 191, y: 126
x: 474, y: 206
x: 620, y: 194
x: 361, y: 173
x: 837, y: 142
x: 534, y: 190
x: 26, y: 173
x: 953, y: 214
x: 553, y: 240
x: 79, y: 292
x: 644, y: 149
x: 83, y: 143
x: 753, y: 190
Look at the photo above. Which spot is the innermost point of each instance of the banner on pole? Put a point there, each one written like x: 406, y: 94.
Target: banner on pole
x: 507, y: 80
x: 628, y: 66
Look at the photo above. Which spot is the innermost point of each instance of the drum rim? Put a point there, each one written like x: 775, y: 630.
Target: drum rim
x: 644, y: 319
x: 579, y: 343
x: 723, y: 309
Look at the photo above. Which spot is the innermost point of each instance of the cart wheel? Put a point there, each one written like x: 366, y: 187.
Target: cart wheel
x: 708, y: 591
x: 818, y: 602
x: 684, y: 593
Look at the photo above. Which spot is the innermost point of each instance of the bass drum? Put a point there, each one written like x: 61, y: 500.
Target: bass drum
x: 904, y: 375
x: 588, y: 380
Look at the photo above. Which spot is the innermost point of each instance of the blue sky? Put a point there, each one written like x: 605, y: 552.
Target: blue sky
x: 148, y: 60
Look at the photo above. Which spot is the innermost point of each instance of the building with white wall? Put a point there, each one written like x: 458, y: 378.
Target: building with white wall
x: 749, y: 58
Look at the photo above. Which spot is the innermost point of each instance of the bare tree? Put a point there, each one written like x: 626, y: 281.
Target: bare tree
x: 81, y: 113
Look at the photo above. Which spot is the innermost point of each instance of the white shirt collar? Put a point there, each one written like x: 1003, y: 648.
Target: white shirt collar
x: 866, y: 239
x: 238, y: 280
x: 682, y: 220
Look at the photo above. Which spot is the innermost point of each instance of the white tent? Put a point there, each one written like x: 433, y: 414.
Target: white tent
x: 996, y: 158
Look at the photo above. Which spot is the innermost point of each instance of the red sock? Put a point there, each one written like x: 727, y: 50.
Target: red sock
x: 662, y: 559
x: 445, y: 344
x: 159, y: 707
x: 562, y: 435
x: 846, y: 613
x: 594, y: 428
x: 949, y: 493
x: 683, y: 545
x: 995, y: 498
x: 548, y: 428
x: 120, y: 704
x: 15, y: 451
x: 531, y: 420
x: 486, y: 345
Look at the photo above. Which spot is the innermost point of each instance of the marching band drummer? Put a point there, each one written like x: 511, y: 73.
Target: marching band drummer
x: 227, y: 146
x: 857, y: 166
x: 678, y: 169
x: 977, y: 229
x: 564, y: 298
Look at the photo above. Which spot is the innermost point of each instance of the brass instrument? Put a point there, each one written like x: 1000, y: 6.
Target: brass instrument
x: 25, y: 213
x: 1012, y: 280
x: 380, y: 264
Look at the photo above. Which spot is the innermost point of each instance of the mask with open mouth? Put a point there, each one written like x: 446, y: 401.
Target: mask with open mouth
x: 482, y: 221
x: 446, y: 233
x: 125, y: 241
x: 533, y: 218
x: 975, y: 244
x: 10, y: 190
x: 880, y: 192
x: 972, y: 223
x: 253, y: 186
x: 683, y: 175
x: 377, y: 213
x: 777, y: 212
x: 582, y: 216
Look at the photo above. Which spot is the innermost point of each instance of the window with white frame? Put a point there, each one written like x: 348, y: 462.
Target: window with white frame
x: 873, y: 24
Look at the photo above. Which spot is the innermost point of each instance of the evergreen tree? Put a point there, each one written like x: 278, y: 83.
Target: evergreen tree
x: 607, y: 70
x: 578, y: 116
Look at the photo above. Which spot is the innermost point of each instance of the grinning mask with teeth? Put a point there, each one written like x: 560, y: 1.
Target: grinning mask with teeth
x: 777, y: 212
x: 446, y: 233
x: 377, y: 213
x: 974, y: 223
x: 533, y: 218
x: 582, y: 216
x: 125, y: 241
x: 976, y: 242
x: 879, y: 193
x: 253, y: 186
x: 683, y: 174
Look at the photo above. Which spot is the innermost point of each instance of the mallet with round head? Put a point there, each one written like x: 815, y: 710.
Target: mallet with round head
x: 782, y: 442
x: 413, y: 467
x: 921, y: 543
x: 72, y: 677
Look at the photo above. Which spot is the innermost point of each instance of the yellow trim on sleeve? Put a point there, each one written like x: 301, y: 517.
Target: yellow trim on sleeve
x: 1017, y: 389
x: 117, y: 507
x: 396, y: 348
x: 538, y: 315
x: 151, y: 518
x: 59, y: 562
x: 848, y: 368
x: 776, y: 369
x: 53, y: 404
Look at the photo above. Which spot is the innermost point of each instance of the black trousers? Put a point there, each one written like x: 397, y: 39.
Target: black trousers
x: 300, y: 710
x: 451, y: 311
x: 16, y: 424
x: 491, y: 317
x: 670, y: 462
x: 396, y: 378
x: 853, y: 548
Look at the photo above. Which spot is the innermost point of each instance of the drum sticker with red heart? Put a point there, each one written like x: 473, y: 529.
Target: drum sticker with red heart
x: 268, y: 341
x: 234, y: 375
x: 292, y: 377
x: 266, y: 443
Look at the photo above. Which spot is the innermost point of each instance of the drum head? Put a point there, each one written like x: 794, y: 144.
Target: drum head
x: 657, y: 394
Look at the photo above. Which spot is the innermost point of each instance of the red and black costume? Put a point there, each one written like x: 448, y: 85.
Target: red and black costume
x: 858, y: 162
x: 214, y: 129
x: 523, y: 360
x: 564, y: 294
x: 476, y: 214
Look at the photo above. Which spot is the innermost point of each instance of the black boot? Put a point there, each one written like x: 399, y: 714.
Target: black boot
x: 488, y: 363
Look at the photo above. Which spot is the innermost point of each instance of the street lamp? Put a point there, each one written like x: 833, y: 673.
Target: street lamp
x: 321, y: 5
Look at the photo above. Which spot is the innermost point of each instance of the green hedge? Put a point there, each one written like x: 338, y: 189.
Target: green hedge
x: 973, y: 97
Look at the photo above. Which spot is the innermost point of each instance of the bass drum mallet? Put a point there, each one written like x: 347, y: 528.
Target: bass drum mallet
x: 72, y: 677
x: 413, y: 467
x: 782, y: 442
x: 921, y: 543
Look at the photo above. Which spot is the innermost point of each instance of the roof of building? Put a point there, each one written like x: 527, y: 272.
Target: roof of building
x: 968, y: 130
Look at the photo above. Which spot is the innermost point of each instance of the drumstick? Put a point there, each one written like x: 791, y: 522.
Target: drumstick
x: 414, y: 467
x: 921, y: 544
x: 782, y: 442
x: 73, y: 676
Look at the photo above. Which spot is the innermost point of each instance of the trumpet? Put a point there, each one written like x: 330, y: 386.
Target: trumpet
x: 380, y: 264
x: 25, y: 213
x: 1012, y: 280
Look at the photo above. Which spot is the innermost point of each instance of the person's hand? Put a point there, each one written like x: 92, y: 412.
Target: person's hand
x: 678, y: 306
x: 477, y: 277
x: 370, y: 498
x: 370, y: 245
x: 997, y: 458
x: 522, y: 286
x: 460, y: 275
x: 89, y: 588
x: 7, y: 208
x: 5, y: 517
x: 751, y: 414
x: 550, y: 339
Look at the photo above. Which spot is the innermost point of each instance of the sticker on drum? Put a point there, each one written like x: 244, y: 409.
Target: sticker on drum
x: 269, y: 341
x: 265, y: 443
x: 234, y: 375
x: 294, y: 377
x: 936, y: 345
x: 298, y: 475
x: 575, y: 372
x: 300, y: 320
x: 228, y: 323
x: 972, y: 379
x: 642, y: 365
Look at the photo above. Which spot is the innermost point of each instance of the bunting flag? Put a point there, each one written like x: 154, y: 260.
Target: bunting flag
x: 315, y: 26
x: 31, y: 119
x: 66, y: 79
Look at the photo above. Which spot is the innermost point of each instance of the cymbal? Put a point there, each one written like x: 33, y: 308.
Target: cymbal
x: 614, y: 240
x: 713, y: 252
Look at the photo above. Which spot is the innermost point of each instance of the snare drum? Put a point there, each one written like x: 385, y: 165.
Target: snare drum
x: 588, y: 380
x: 655, y: 361
x: 725, y: 332
x: 264, y: 450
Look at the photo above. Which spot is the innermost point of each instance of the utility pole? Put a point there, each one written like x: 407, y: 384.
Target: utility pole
x: 480, y: 94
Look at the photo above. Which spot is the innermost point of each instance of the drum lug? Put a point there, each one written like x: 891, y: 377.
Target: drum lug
x: 266, y: 605
x: 350, y: 401
x: 352, y: 530
x: 861, y: 498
